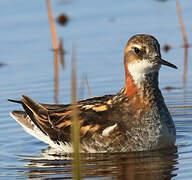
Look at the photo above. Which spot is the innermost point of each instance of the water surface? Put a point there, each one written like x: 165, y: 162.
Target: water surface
x: 101, y: 30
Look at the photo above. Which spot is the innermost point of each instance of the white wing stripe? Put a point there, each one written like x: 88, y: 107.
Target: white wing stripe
x: 107, y: 130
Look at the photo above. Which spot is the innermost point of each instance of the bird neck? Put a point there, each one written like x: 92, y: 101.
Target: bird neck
x: 140, y: 84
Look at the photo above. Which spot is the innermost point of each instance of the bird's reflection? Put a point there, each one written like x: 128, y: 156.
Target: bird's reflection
x: 158, y: 165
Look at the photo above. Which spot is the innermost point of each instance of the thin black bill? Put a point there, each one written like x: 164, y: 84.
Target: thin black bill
x: 163, y: 62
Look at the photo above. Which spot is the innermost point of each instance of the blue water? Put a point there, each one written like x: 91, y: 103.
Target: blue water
x: 101, y: 30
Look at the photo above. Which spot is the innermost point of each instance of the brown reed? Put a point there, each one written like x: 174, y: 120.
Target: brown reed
x: 52, y: 26
x: 182, y: 27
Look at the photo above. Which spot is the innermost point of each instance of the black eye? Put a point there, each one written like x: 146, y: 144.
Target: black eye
x: 136, y: 50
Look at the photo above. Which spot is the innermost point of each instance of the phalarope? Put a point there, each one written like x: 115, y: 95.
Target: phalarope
x: 135, y: 119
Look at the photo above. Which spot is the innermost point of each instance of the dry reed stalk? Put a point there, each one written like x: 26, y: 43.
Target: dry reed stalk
x: 75, y: 130
x: 52, y: 26
x: 88, y: 87
x: 182, y: 27
x: 56, y: 76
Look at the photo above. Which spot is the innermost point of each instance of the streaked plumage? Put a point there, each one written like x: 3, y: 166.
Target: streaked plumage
x: 135, y: 119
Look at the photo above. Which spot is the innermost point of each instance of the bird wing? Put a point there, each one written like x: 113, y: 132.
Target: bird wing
x: 55, y: 120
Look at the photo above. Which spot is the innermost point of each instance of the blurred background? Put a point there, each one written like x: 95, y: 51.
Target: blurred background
x: 100, y: 30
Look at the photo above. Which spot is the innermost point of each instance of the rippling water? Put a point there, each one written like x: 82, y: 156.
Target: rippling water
x: 101, y: 30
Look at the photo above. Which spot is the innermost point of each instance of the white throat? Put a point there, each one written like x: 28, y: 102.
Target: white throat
x: 138, y: 70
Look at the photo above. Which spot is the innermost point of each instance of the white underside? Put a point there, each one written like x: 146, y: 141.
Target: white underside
x: 37, y: 133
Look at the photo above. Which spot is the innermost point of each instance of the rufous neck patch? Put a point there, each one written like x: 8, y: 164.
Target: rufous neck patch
x: 131, y: 89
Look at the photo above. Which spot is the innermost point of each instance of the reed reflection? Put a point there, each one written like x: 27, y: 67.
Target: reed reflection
x: 58, y: 54
x: 56, y: 77
x: 185, y: 67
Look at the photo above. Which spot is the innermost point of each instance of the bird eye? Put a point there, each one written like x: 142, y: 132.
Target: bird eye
x: 136, y: 50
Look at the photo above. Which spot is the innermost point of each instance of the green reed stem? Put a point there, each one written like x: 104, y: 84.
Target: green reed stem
x: 75, y: 130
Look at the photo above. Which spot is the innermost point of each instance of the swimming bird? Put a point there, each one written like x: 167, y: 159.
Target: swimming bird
x: 134, y: 119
